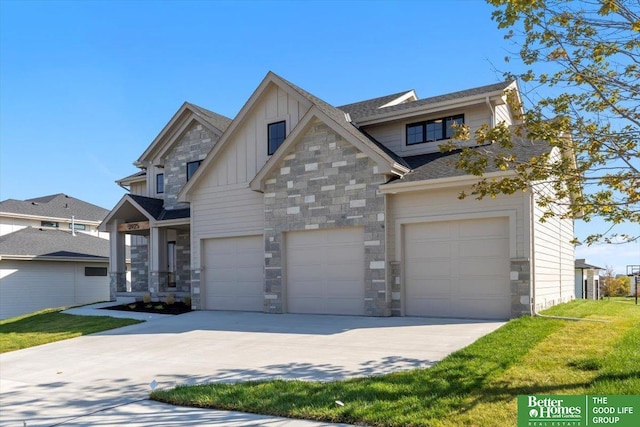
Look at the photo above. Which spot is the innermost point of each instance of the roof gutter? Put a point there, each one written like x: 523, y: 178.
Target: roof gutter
x: 53, y: 258
x: 431, y: 184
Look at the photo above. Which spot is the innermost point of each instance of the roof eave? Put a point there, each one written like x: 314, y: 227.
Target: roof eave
x: 496, y: 96
x: 99, y: 259
x: 431, y: 184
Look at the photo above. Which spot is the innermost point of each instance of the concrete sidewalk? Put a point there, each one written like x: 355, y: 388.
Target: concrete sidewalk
x: 105, y: 378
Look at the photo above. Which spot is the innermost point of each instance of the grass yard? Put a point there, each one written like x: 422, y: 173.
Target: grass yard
x: 50, y: 325
x: 476, y: 386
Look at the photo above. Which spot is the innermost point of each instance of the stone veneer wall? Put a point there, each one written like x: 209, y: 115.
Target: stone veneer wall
x: 140, y: 265
x: 520, y: 287
x: 183, y: 262
x: 326, y: 183
x: 194, y: 145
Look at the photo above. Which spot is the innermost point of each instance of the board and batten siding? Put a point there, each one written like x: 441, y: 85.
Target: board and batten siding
x: 222, y: 205
x: 393, y: 135
x: 246, y: 150
x: 554, y: 264
x: 139, y: 188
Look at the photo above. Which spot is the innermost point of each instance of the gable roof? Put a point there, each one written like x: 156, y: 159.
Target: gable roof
x: 188, y: 112
x: 217, y: 120
x: 141, y: 208
x: 341, y: 119
x: 155, y: 208
x: 36, y: 243
x: 58, y: 206
x: 319, y: 108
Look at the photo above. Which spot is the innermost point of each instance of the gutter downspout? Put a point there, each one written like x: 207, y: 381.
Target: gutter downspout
x: 492, y: 115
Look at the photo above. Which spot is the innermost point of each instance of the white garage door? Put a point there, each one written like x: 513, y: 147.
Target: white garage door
x: 325, y: 271
x: 458, y: 269
x: 234, y: 273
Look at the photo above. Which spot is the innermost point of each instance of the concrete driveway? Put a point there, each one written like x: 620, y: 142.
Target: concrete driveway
x: 67, y: 381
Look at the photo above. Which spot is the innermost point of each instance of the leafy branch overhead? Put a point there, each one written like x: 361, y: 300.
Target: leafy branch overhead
x: 582, y: 63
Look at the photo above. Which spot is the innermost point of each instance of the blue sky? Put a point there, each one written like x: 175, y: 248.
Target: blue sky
x: 86, y: 86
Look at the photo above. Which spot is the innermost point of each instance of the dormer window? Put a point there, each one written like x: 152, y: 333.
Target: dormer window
x: 276, y: 132
x: 192, y: 167
x: 432, y: 130
x: 160, y: 183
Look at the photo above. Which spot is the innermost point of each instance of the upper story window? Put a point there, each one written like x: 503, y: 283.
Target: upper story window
x: 77, y: 226
x: 275, y: 135
x: 192, y: 167
x: 159, y: 183
x: 51, y: 224
x: 432, y: 130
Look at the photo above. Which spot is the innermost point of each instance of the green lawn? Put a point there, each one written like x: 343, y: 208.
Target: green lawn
x: 47, y: 326
x: 475, y: 386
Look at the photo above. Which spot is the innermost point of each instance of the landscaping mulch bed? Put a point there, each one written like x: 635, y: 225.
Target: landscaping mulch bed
x: 152, y: 307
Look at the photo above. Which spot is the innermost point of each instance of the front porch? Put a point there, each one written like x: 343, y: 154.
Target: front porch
x: 160, y: 249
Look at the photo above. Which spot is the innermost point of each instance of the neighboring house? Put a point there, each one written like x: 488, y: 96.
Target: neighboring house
x: 51, y: 254
x: 54, y: 212
x: 298, y: 206
x: 587, y: 280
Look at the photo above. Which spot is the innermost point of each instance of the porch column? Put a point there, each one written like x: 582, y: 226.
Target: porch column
x: 157, y: 259
x: 117, y: 265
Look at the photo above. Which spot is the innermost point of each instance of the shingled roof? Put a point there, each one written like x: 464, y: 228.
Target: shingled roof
x: 217, y: 120
x: 155, y: 208
x: 369, y: 106
x: 442, y: 165
x: 54, y: 206
x: 582, y: 265
x: 339, y: 117
x: 39, y: 243
x: 435, y: 99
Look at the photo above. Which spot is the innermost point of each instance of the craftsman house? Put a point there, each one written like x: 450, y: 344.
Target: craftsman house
x: 297, y: 206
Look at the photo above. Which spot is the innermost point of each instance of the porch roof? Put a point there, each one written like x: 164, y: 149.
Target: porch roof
x: 134, y: 208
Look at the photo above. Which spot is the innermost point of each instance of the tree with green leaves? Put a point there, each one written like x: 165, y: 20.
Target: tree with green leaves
x: 582, y: 63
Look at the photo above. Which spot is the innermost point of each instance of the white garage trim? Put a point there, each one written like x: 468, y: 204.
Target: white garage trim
x: 511, y: 214
x: 325, y: 271
x: 233, y: 270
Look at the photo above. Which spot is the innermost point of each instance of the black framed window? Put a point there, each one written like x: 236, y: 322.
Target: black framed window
x: 276, y: 133
x: 95, y: 271
x: 432, y: 130
x: 159, y: 183
x: 192, y: 167
x: 77, y: 226
x: 51, y: 224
